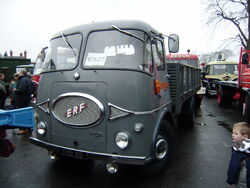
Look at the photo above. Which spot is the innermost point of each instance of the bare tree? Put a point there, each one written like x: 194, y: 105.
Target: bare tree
x: 216, y: 56
x: 234, y: 11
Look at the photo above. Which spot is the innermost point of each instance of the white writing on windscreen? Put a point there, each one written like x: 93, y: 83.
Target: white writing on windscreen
x: 127, y: 49
x: 99, y: 59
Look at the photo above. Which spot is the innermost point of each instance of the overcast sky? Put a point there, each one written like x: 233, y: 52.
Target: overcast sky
x: 29, y: 24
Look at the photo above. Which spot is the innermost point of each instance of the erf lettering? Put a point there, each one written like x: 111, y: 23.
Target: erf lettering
x: 75, y: 110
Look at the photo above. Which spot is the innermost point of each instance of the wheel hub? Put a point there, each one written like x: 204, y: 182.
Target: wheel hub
x: 161, y: 149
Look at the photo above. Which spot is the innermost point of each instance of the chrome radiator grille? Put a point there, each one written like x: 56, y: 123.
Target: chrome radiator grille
x: 78, y: 109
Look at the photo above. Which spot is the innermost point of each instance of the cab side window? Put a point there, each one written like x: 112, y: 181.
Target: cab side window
x: 158, y: 55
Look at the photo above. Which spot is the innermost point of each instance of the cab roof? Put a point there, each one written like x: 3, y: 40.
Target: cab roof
x: 107, y: 25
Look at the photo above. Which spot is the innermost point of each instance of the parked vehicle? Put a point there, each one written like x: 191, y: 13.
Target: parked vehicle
x: 37, y: 72
x: 28, y: 68
x: 219, y: 71
x: 238, y: 90
x: 39, y: 64
x: 106, y: 92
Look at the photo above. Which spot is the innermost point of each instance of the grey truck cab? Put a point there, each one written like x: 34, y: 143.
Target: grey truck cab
x: 104, y: 93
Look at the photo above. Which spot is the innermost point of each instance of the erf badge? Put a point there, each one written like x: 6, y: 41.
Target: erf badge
x: 75, y: 110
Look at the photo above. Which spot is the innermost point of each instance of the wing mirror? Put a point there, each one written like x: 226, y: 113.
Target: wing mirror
x: 173, y: 43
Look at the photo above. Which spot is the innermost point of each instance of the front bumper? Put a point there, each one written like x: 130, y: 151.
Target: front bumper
x: 75, y: 153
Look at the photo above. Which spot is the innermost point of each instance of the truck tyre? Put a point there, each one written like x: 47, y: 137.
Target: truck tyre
x: 247, y: 109
x: 198, y: 101
x: 162, y: 151
x: 186, y: 118
x: 207, y: 94
x: 220, y: 98
x: 223, y: 99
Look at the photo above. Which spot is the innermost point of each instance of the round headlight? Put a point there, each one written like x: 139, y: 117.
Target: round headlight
x: 41, y: 128
x: 122, y: 140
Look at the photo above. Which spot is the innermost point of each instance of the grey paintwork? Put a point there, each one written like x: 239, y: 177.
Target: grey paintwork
x: 133, y: 92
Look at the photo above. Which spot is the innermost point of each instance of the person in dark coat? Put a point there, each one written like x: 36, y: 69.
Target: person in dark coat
x: 23, y: 93
x: 13, y: 86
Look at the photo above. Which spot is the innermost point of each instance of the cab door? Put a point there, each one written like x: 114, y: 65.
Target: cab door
x: 161, y: 75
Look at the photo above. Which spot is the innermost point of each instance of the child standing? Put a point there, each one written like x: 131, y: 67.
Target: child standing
x: 240, y: 159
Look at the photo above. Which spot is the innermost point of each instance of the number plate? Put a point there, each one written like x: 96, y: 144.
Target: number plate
x: 74, y: 154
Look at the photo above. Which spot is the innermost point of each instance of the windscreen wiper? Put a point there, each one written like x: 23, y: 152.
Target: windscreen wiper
x: 127, y: 33
x: 66, y: 40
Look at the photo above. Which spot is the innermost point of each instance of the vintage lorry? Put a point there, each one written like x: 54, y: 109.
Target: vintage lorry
x: 28, y: 68
x: 39, y: 64
x: 239, y: 89
x: 106, y: 92
x: 219, y: 71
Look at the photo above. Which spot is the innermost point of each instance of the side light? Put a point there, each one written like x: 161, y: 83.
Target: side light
x: 157, y: 87
x: 122, y: 140
x: 41, y: 128
x: 138, y: 127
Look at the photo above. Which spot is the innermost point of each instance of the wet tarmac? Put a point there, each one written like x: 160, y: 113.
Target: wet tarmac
x: 200, y: 160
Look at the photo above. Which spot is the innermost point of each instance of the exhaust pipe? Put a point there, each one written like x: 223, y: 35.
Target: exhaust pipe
x: 53, y: 155
x: 111, y: 167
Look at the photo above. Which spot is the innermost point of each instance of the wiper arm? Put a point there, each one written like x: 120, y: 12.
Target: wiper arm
x: 127, y: 33
x: 66, y: 40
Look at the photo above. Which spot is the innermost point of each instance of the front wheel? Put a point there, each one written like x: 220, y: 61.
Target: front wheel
x: 223, y: 99
x: 220, y: 98
x: 162, y: 151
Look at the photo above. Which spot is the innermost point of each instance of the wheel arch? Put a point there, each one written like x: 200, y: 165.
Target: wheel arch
x: 165, y: 115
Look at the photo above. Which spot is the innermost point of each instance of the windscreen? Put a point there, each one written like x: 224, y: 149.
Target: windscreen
x: 63, y: 53
x: 223, y: 68
x: 116, y: 50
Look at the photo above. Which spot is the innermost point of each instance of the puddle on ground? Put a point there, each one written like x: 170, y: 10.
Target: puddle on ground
x: 211, y: 115
x: 225, y: 125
